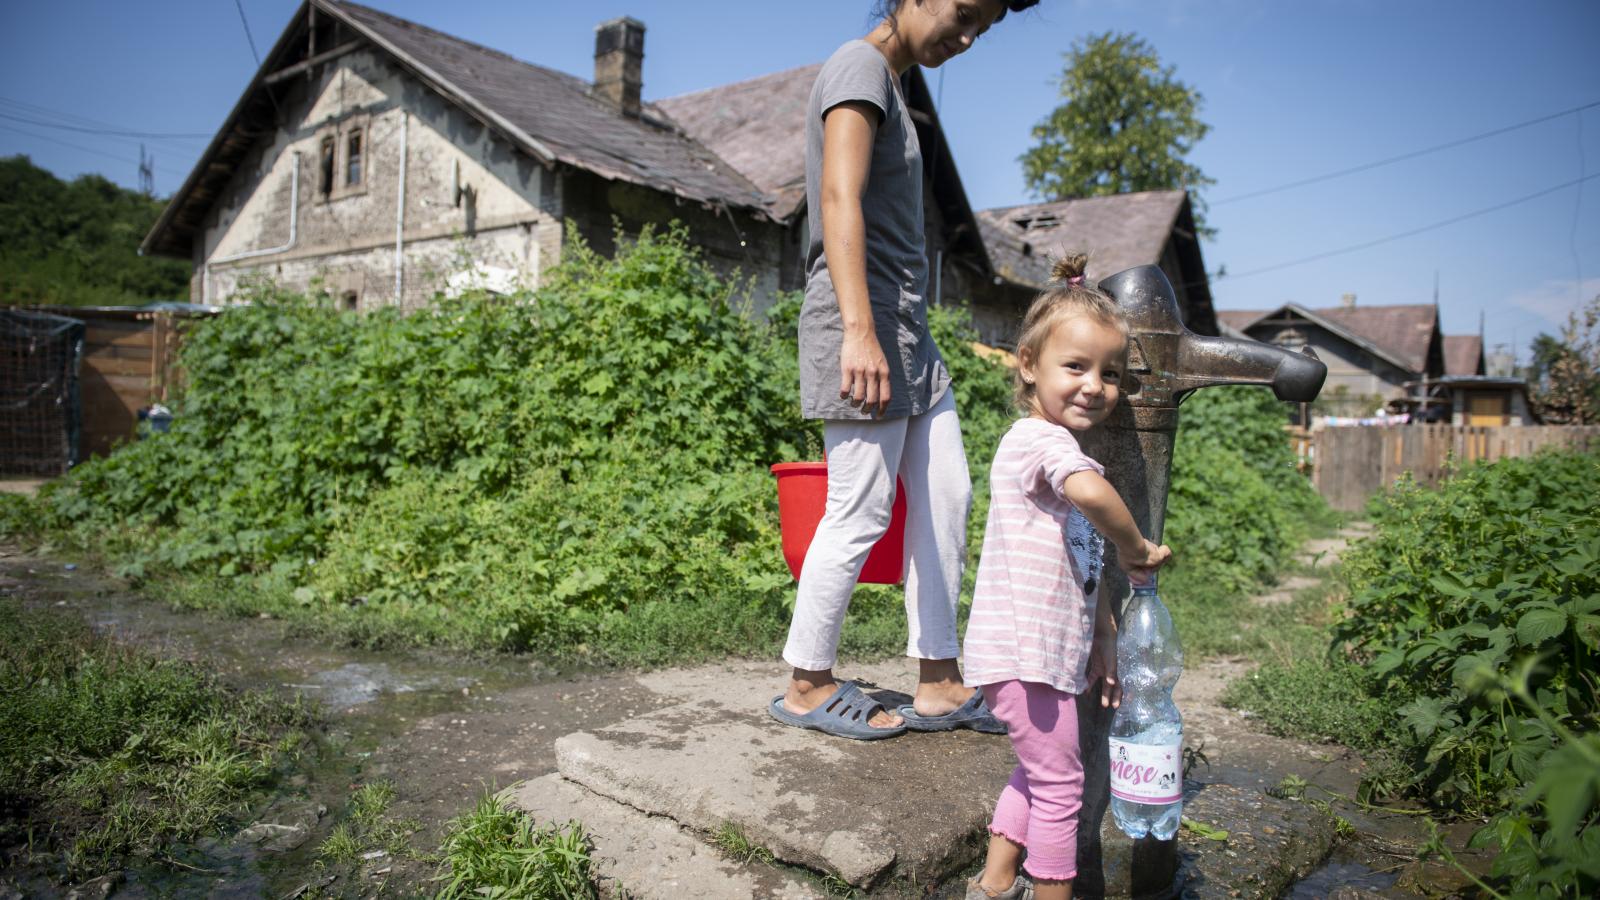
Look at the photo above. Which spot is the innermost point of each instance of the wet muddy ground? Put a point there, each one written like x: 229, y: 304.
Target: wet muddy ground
x: 443, y: 729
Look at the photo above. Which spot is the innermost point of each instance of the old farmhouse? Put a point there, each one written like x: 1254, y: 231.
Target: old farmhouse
x: 386, y: 162
x: 1390, y: 359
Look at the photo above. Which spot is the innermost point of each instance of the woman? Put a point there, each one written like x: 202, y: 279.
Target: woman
x: 871, y: 372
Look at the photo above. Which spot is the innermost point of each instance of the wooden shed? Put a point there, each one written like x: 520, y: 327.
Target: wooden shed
x: 129, y: 362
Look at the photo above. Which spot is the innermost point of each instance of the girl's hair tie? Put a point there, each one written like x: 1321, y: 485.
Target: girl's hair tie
x: 1069, y: 270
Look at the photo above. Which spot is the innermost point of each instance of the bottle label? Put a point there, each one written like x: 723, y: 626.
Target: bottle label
x: 1146, y: 773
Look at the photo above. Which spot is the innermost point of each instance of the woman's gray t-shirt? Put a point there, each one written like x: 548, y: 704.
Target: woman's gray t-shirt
x: 897, y: 261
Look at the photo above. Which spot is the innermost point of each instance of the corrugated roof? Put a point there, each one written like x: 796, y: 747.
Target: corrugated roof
x: 759, y: 127
x: 1463, y: 354
x: 1118, y: 232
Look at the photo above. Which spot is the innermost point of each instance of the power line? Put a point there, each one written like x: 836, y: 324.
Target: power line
x: 1404, y: 156
x: 52, y: 140
x: 1577, y: 213
x: 246, y: 23
x: 103, y: 131
x: 1405, y: 234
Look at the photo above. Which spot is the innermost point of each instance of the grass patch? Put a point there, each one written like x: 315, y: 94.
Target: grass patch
x: 1221, y: 620
x: 498, y: 851
x: 366, y: 827
x: 1321, y: 699
x: 731, y: 840
x: 107, y: 751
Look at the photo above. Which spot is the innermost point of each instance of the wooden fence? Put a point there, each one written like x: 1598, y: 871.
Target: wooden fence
x: 1353, y: 463
x: 129, y: 362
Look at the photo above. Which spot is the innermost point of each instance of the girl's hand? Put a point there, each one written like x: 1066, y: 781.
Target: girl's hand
x: 1103, y: 667
x: 1142, y: 563
x: 864, y: 372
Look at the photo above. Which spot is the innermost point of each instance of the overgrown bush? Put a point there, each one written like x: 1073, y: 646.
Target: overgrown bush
x: 1237, y: 507
x: 1481, y: 601
x: 482, y: 473
x: 578, y: 470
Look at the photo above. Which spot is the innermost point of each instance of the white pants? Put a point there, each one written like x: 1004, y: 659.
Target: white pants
x: 863, y: 457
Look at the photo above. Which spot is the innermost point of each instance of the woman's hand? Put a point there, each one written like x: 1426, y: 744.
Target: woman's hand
x: 1143, y: 561
x: 1103, y: 666
x: 864, y: 372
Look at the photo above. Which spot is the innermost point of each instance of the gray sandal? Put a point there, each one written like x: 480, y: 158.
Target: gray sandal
x: 973, y: 714
x: 846, y: 714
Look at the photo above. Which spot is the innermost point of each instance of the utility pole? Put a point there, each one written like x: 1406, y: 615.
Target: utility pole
x: 147, y: 173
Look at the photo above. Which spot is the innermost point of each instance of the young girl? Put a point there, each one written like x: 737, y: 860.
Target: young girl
x: 1037, y: 637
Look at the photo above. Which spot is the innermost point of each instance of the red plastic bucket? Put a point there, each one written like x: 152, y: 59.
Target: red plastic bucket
x: 802, y: 497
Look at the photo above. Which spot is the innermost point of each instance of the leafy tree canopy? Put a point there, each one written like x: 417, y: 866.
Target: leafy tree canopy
x: 1127, y: 124
x: 76, y: 243
x: 1567, y: 371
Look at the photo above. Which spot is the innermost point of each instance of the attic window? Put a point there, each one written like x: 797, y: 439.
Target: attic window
x: 1291, y: 339
x: 325, y: 185
x: 352, y: 159
x: 1037, y: 223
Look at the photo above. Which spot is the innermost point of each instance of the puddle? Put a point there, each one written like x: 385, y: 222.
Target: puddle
x: 1340, y: 870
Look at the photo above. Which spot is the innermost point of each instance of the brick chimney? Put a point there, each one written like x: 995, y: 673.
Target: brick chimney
x: 619, y: 63
x: 1348, y: 301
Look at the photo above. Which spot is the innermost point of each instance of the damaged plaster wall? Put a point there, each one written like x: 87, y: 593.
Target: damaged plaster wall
x: 471, y: 201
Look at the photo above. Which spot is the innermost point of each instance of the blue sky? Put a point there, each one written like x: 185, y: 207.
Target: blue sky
x: 1292, y: 90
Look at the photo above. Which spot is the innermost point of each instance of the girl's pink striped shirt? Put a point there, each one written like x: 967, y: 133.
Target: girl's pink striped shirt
x: 1030, y: 618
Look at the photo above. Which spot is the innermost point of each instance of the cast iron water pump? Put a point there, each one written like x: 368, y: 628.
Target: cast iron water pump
x: 1166, y: 362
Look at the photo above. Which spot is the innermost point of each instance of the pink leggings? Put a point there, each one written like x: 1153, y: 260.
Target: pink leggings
x: 1039, y: 807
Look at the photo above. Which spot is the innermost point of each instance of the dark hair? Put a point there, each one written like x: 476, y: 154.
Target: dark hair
x: 886, y: 9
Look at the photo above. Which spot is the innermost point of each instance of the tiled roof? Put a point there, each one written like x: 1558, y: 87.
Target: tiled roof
x: 1240, y: 319
x: 558, y: 112
x: 758, y: 126
x: 1463, y: 354
x: 1403, y: 332
x: 1118, y: 232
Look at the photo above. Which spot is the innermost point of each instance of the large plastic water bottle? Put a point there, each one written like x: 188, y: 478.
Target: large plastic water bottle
x: 1147, y: 732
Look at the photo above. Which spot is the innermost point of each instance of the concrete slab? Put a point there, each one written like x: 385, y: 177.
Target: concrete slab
x: 647, y: 857
x: 860, y: 810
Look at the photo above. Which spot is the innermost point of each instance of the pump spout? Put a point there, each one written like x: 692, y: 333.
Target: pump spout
x: 1295, y: 377
x: 1167, y: 360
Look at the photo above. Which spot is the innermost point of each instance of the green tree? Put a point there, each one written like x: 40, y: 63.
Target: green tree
x: 1568, y: 393
x: 77, y: 243
x: 1127, y: 124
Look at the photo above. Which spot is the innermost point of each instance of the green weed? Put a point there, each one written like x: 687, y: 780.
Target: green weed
x: 366, y: 827
x: 341, y: 845
x: 112, y: 752
x: 498, y: 851
x: 730, y: 839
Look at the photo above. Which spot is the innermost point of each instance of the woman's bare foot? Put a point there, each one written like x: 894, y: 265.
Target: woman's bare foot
x: 809, y: 690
